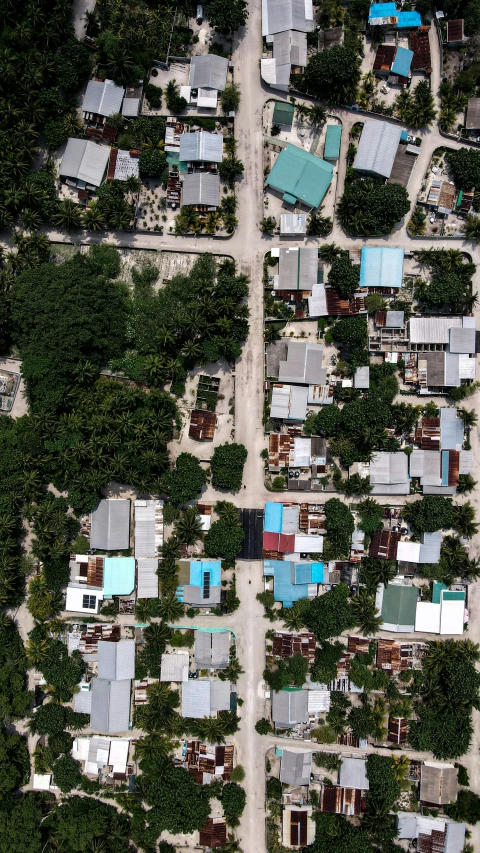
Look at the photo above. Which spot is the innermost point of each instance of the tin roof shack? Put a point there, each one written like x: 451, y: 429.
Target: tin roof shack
x: 472, y: 121
x: 301, y: 177
x: 202, y: 425
x: 432, y: 835
x: 102, y: 98
x: 394, y: 657
x: 298, y: 827
x: 303, y: 365
x: 393, y: 63
x: 455, y: 33
x: 384, y: 544
x: 293, y: 224
x: 287, y: 645
x: 205, y: 761
x: 214, y: 833
x: 329, y: 37
x: 110, y: 690
x: 438, y: 783
x: 174, y: 667
x: 337, y: 800
x: 289, y: 56
x: 295, y: 768
x: 110, y: 530
x: 201, y: 147
x: 397, y: 730
x: 289, y: 402
x: 289, y: 15
x: 377, y: 148
x: 202, y: 190
x: 420, y: 44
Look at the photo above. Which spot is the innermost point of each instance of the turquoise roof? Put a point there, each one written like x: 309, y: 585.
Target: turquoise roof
x: 291, y: 580
x: 453, y: 595
x: 382, y: 10
x: 404, y: 136
x: 273, y: 517
x: 300, y: 176
x: 402, y: 62
x: 332, y: 141
x: 118, y: 576
x: 198, y: 569
x: 409, y: 19
x: 381, y: 266
x: 438, y: 588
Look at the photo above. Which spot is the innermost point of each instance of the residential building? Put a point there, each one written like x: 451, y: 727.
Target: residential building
x: 298, y: 826
x: 353, y: 774
x: 395, y: 657
x: 397, y: 730
x: 393, y: 63
x: 98, y: 754
x: 377, y: 148
x: 420, y: 44
x: 425, y: 551
x: 289, y: 707
x: 205, y: 697
x: 118, y: 576
x: 110, y: 690
x: 301, y: 177
x: 289, y: 402
x: 208, y: 75
x: 202, y: 425
x: 455, y: 32
x: 205, y: 761
x: 82, y: 598
x: 148, y: 539
x: 122, y: 165
x: 293, y: 224
x: 303, y: 365
x: 201, y: 189
x: 330, y: 37
x: 287, y: 645
x: 289, y: 15
x: 472, y: 121
x: 361, y: 378
x: 175, y: 667
x: 381, y: 267
x: 389, y: 473
x: 438, y: 783
x: 201, y: 147
x: 293, y: 529
x: 132, y: 101
x: 84, y: 164
x: 431, y: 834
x: 116, y: 661
x: 103, y: 98
x: 444, y: 614
x: 294, y: 580
x: 110, y: 530
x: 297, y: 268
x: 213, y: 833
x: 337, y: 800
x: 397, y: 604
x: 289, y: 54
x: 199, y: 582
x: 295, y: 768
x: 386, y: 15
x: 212, y: 649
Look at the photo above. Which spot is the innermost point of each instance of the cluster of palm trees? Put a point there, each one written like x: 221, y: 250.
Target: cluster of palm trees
x: 314, y: 115
x: 190, y: 221
x: 442, y: 263
x: 416, y: 109
x: 453, y: 101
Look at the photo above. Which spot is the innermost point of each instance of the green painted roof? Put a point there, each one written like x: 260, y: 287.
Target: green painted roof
x: 332, y: 141
x: 283, y: 113
x: 301, y: 175
x: 399, y: 605
x: 438, y: 586
x: 453, y: 595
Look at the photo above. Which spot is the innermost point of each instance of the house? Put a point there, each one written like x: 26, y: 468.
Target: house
x: 455, y: 32
x: 122, y: 165
x: 384, y: 544
x: 452, y: 430
x: 397, y: 730
x: 381, y: 266
x: 103, y: 98
x: 110, y: 705
x: 337, y: 800
x: 205, y: 761
x: 353, y: 774
x: 361, y: 377
x: 289, y: 402
x: 289, y: 707
x: 297, y: 268
x: 287, y: 645
x: 201, y: 147
x: 445, y: 614
x: 286, y: 533
x: 293, y: 224
x: 201, y: 189
x: 439, y: 470
x: 174, y: 667
x: 330, y: 37
x: 393, y: 64
x: 333, y: 138
x: 118, y: 576
x: 84, y: 164
x: 202, y: 425
x: 213, y: 833
x: 208, y: 74
x: 289, y: 49
x: 298, y: 826
x: 431, y: 834
x: 420, y: 44
x: 289, y: 15
x: 425, y: 551
x: 301, y: 177
x: 377, y: 148
x: 199, y: 582
x: 99, y: 753
x: 396, y: 657
x: 212, y: 649
x: 472, y: 121
x: 110, y: 530
x: 382, y: 14
x: 295, y: 768
x: 82, y: 598
x: 408, y: 20
x: 116, y: 661
x: 292, y: 580
x: 148, y: 539
x: 132, y: 101
x: 438, y: 783
x: 397, y: 605
x: 205, y: 697
x: 303, y: 365
x: 389, y: 473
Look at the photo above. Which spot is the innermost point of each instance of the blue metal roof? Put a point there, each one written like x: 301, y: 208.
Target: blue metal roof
x: 332, y: 141
x: 381, y: 267
x: 404, y: 136
x: 402, y: 62
x: 382, y: 10
x: 273, y: 517
x: 118, y: 576
x: 199, y: 567
x: 408, y: 19
x: 291, y: 580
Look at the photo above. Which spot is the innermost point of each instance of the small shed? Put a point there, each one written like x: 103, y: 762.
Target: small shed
x: 333, y: 139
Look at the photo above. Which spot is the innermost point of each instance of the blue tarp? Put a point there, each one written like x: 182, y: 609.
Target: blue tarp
x: 404, y: 136
x: 317, y: 573
x: 402, y: 62
x: 381, y: 267
x: 273, y: 517
x: 409, y: 19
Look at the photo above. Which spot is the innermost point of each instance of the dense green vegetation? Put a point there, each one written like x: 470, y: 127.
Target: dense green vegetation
x: 227, y: 466
x: 343, y: 275
x: 333, y: 75
x: 449, y: 283
x: 369, y: 207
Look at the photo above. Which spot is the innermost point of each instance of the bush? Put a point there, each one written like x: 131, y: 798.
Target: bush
x: 233, y: 801
x: 237, y: 774
x: 67, y: 773
x: 227, y: 466
x: 152, y: 163
x: 467, y: 807
x: 333, y: 75
x: 368, y: 208
x: 344, y: 276
x: 274, y: 788
x: 263, y: 726
x: 153, y: 95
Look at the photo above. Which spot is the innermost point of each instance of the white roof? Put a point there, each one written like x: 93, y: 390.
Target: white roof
x: 308, y: 544
x: 80, y: 748
x: 148, y: 528
x: 126, y: 166
x: 409, y: 552
x: 427, y: 617
x: 452, y: 616
x: 77, y: 595
x: 466, y: 366
x: 432, y: 330
x: 302, y: 451
x: 118, y: 755
x: 85, y: 160
x: 174, y: 667
x: 207, y: 99
x: 41, y: 781
x: 318, y: 701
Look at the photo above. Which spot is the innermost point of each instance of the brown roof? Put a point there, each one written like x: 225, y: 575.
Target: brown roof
x: 298, y: 828
x: 438, y: 784
x: 214, y: 833
x: 455, y: 30
x: 397, y: 729
x: 336, y: 800
x: 384, y: 544
x: 112, y: 164
x: 95, y: 571
x: 402, y: 168
x: 330, y: 37
x: 427, y: 434
x: 453, y: 467
x: 420, y: 44
x: 433, y: 843
x: 287, y: 645
x: 202, y: 425
x: 393, y: 656
x: 358, y: 646
x: 435, y: 368
x: 109, y: 133
x: 384, y: 57
x: 279, y: 446
x: 447, y: 195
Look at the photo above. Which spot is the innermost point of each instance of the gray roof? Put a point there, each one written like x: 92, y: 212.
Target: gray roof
x: 452, y: 370
x: 415, y: 825
x: 204, y: 697
x: 144, y: 535
x: 430, y: 546
x: 289, y: 402
x: 427, y: 465
x: 317, y: 302
x: 212, y: 649
x: 280, y: 15
x: 394, y: 319
x: 290, y: 516
x: 110, y: 705
x: 389, y: 468
x: 455, y: 837
x: 201, y: 188
x: 85, y: 160
x: 201, y: 146
x: 295, y: 767
x: 103, y: 97
x: 361, y: 377
x: 203, y: 649
x: 290, y: 48
x: 82, y: 702
x: 438, y: 783
x: 174, y: 667
x: 289, y: 707
x: 116, y: 661
x: 451, y: 429
x: 463, y: 339
x: 194, y: 595
x: 353, y: 774
x: 303, y: 364
x: 147, y: 578
x: 293, y: 223
x: 439, y: 490
x: 297, y: 268
x: 96, y: 745
x: 111, y: 525
x: 392, y: 489
x: 219, y: 695
x: 466, y: 462
x: 432, y: 330
x: 377, y: 147
x: 131, y: 107
x: 473, y: 114
x: 208, y: 72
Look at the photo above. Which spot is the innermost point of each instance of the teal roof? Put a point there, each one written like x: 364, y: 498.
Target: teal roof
x: 409, y: 19
x: 300, y: 176
x: 283, y: 113
x: 453, y: 595
x: 118, y: 576
x: 198, y: 569
x: 438, y: 587
x: 402, y: 62
x: 399, y: 605
x: 332, y: 141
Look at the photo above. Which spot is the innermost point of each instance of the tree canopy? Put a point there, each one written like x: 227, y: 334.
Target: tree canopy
x: 370, y: 208
x: 226, y: 18
x: 185, y: 480
x: 333, y: 75
x: 227, y: 466
x: 343, y: 275
x: 330, y: 614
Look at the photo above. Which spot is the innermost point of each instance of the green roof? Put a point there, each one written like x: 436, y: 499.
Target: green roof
x: 399, y: 605
x: 283, y: 113
x: 300, y: 175
x: 438, y: 586
x: 453, y: 595
x: 332, y: 141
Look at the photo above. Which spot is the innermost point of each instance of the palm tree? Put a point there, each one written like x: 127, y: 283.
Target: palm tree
x: 226, y: 511
x: 365, y: 611
x: 143, y: 610
x: 212, y: 222
x: 378, y: 713
x: 211, y: 729
x: 329, y: 252
x: 68, y: 215
x: 472, y: 228
x: 466, y: 483
x: 155, y: 369
x: 37, y: 650
x: 464, y: 520
x: 316, y: 115
x: 374, y: 572
x: 170, y: 550
x: 93, y: 219
x: 157, y: 636
x: 170, y: 608
x: 153, y: 745
x: 232, y: 672
x: 471, y: 571
x: 469, y: 417
x: 293, y: 618
x: 188, y: 528
x: 272, y: 333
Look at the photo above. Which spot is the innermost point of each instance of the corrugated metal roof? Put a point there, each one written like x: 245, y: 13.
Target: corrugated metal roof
x: 303, y: 364
x: 473, y: 114
x: 318, y: 701
x: 451, y: 429
x: 353, y: 774
x: 301, y: 175
x: 402, y: 62
x: 289, y: 402
x: 82, y: 702
x: 361, y: 377
x: 381, y: 266
x: 103, y: 98
x: 147, y: 578
x: 110, y: 705
x: 148, y: 529
x: 201, y: 188
x: 290, y: 48
x: 379, y: 11
x: 466, y: 462
x: 394, y: 319
x: 289, y: 707
x: 116, y: 661
x: 455, y: 837
x: 201, y: 146
x: 219, y: 695
x: 220, y: 649
x: 452, y: 371
x: 377, y: 147
x: 208, y: 72
x: 389, y: 468
x: 295, y: 767
x: 317, y: 302
x: 196, y: 699
x: 85, y: 161
x: 174, y: 667
x: 111, y: 525
x: 274, y: 74
x: 280, y: 15
x: 408, y: 19
x: 131, y: 107
x: 293, y: 223
x: 430, y: 546
x: 432, y: 330
x: 399, y: 604
x: 333, y: 138
x: 118, y: 576
x: 438, y: 783
x: 462, y: 340
x: 297, y: 268
x: 203, y: 649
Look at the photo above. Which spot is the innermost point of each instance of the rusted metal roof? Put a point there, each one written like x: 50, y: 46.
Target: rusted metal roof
x: 202, y: 425
x: 453, y: 467
x: 384, y: 544
x: 279, y: 447
x: 358, y: 646
x: 112, y: 164
x: 298, y: 828
x: 397, y: 729
x: 287, y: 645
x: 395, y: 657
x: 95, y: 571
x: 420, y: 44
x: 427, y: 434
x: 384, y: 57
x: 214, y: 833
x: 455, y: 30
